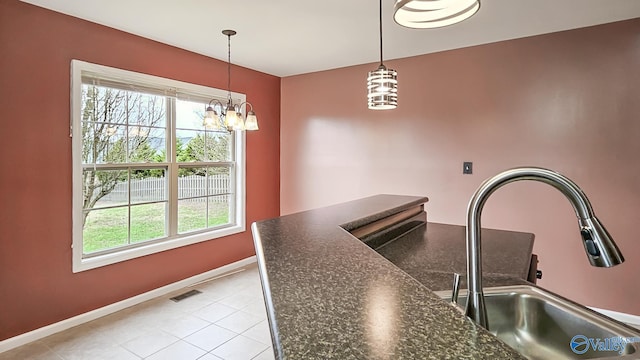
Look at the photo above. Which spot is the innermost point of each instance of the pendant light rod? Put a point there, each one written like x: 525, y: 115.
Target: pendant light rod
x: 229, y: 34
x: 380, y: 21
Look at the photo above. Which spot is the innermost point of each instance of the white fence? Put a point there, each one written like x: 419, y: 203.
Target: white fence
x: 154, y: 189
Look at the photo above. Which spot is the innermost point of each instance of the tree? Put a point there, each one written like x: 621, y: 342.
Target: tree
x: 116, y: 126
x: 208, y: 147
x: 204, y: 147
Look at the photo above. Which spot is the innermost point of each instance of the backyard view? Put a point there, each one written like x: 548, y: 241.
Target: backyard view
x: 128, y: 165
x: 108, y: 228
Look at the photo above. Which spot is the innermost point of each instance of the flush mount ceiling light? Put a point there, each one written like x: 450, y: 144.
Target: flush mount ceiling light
x: 230, y: 116
x: 427, y: 14
x: 382, y: 84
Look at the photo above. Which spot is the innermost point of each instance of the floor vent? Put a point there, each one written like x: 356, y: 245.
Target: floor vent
x: 186, y: 295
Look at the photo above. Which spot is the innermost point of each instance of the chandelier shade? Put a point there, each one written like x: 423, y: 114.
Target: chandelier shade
x: 382, y: 87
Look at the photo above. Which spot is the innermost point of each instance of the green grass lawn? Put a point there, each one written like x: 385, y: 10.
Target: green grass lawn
x: 109, y: 228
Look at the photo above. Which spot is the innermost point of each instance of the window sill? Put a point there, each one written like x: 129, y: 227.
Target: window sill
x: 82, y: 264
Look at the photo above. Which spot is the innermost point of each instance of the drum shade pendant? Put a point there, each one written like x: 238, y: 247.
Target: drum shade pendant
x: 427, y: 14
x: 230, y: 116
x: 382, y: 83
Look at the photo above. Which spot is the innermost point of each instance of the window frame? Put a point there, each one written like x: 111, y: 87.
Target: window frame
x: 171, y: 89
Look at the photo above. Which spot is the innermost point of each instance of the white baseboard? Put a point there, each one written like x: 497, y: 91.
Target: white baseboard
x: 45, y: 331
x: 631, y: 320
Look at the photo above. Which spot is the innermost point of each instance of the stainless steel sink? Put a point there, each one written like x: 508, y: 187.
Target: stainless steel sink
x: 542, y: 325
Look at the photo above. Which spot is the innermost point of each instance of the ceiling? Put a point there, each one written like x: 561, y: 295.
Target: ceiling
x: 289, y: 37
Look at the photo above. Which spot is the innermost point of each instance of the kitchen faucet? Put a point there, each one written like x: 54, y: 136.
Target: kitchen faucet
x: 600, y: 248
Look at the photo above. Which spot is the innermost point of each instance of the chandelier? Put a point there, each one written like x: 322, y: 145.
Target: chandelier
x: 230, y: 117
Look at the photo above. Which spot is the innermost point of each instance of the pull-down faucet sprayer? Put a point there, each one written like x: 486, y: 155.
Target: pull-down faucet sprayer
x: 600, y: 248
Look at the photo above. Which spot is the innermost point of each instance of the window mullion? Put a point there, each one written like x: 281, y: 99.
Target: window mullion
x: 173, y: 170
x: 129, y: 206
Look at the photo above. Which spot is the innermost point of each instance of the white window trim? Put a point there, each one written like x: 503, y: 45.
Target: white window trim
x: 81, y: 264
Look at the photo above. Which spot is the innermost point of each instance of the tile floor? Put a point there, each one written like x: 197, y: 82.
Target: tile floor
x: 226, y: 321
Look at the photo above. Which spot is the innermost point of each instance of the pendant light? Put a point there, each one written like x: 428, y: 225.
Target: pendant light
x: 427, y: 14
x: 231, y: 117
x: 382, y: 83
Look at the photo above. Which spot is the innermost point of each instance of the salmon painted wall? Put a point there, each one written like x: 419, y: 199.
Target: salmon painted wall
x: 567, y: 101
x: 37, y: 286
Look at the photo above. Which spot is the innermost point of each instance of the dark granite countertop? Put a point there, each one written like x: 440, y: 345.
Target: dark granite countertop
x: 330, y: 296
x: 432, y: 255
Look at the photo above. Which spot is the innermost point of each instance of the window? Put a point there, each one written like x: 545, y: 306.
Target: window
x: 147, y: 175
